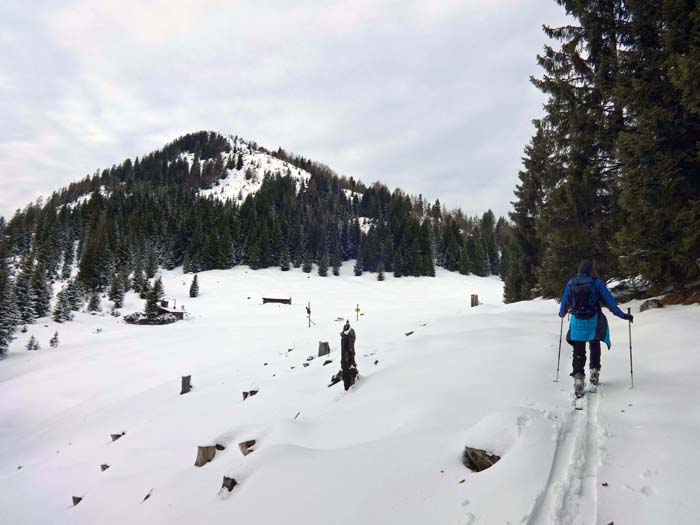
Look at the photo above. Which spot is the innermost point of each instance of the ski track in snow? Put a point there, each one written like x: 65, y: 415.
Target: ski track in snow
x: 570, y: 496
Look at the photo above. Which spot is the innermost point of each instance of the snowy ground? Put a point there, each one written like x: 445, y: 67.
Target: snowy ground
x: 386, y: 452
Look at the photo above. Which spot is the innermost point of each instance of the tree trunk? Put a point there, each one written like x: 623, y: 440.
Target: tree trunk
x: 205, y: 455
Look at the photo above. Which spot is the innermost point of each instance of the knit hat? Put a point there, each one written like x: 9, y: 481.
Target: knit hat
x: 586, y: 267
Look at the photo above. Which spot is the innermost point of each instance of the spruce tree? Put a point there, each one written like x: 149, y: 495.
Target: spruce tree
x: 194, y: 287
x: 53, y: 343
x: 153, y: 297
x: 380, y: 272
x: 41, y: 291
x: 33, y: 344
x: 9, y: 316
x: 24, y: 292
x: 94, y: 305
x: 285, y: 262
x: 61, y: 310
x: 116, y: 291
x: 306, y: 263
x: 323, y: 266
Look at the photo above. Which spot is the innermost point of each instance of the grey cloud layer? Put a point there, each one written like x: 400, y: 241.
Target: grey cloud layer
x: 430, y: 96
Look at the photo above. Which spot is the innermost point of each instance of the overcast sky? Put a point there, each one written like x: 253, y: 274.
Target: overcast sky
x: 431, y: 96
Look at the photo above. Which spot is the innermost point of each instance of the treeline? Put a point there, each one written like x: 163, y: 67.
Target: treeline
x: 612, y: 172
x: 147, y: 214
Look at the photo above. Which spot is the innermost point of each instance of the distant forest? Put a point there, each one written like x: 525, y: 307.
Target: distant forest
x: 148, y: 213
x: 612, y: 172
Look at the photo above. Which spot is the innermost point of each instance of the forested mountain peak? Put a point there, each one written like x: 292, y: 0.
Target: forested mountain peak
x: 208, y: 201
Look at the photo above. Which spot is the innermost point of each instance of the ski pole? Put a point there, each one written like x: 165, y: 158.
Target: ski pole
x: 629, y: 312
x: 561, y: 330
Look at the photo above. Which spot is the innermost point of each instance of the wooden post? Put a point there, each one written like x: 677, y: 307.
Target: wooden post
x: 205, y: 455
x: 229, y: 483
x: 116, y: 436
x: 186, y: 386
x: 104, y: 467
x: 357, y: 313
x: 475, y: 300
x: 323, y: 348
x: 76, y: 500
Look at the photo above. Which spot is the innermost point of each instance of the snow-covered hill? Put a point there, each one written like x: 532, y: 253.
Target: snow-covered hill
x: 246, y: 179
x: 388, y: 451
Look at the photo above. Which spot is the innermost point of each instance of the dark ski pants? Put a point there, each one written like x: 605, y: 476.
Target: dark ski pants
x: 579, y: 360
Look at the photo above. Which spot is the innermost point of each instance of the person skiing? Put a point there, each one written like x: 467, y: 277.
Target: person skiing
x: 347, y: 355
x: 582, y: 297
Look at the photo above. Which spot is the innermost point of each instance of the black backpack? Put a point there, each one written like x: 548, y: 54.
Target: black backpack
x: 583, y: 300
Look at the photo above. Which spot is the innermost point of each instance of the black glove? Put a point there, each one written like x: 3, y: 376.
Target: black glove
x: 629, y: 317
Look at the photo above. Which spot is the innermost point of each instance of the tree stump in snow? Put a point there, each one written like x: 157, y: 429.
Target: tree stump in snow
x: 76, y: 500
x: 104, y: 467
x: 116, y: 436
x: 475, y: 300
x: 229, y: 483
x: 205, y: 455
x: 477, y: 460
x: 186, y: 385
x: 323, y: 348
x: 337, y: 378
x: 247, y: 447
x: 649, y: 304
x: 219, y: 446
x: 248, y: 394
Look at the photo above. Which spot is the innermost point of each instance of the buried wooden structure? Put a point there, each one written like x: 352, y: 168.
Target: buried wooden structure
x: 228, y: 483
x: 475, y: 300
x: 205, y: 455
x: 276, y: 300
x: 477, y: 460
x: 104, y: 467
x: 76, y: 500
x: 116, y: 436
x: 247, y: 447
x: 186, y: 384
x: 248, y: 394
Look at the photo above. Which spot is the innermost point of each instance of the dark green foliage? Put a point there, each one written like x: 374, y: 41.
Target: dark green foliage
x: 33, y: 344
x: 323, y: 266
x: 41, y: 291
x: 153, y: 297
x: 306, y: 263
x: 380, y: 272
x: 53, y: 342
x: 116, y: 291
x: 74, y: 295
x: 62, y: 309
x: 9, y: 314
x: 611, y: 173
x: 24, y: 292
x: 194, y: 287
x: 285, y: 262
x: 94, y: 305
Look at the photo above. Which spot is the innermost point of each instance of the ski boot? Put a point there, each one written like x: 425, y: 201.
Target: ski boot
x: 579, y: 385
x: 595, y: 375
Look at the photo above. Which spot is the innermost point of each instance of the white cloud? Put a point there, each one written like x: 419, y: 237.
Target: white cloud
x: 430, y: 96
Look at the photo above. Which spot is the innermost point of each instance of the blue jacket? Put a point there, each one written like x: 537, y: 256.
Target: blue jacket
x: 601, y: 293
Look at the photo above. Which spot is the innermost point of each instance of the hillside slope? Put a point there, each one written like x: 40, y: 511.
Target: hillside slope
x: 388, y: 451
